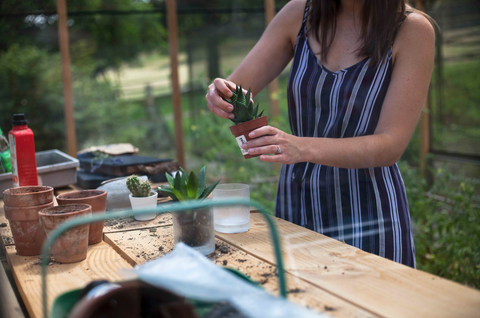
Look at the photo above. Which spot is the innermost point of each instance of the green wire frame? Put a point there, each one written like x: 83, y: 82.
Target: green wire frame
x: 164, y: 208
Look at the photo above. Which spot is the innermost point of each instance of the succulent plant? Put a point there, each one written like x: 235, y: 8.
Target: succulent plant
x: 138, y: 188
x: 186, y: 186
x: 243, y: 108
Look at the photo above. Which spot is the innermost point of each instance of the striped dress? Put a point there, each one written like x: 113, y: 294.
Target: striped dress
x: 366, y: 208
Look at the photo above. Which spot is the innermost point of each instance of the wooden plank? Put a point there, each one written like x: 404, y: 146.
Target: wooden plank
x: 129, y: 223
x: 66, y: 77
x: 379, y: 285
x: 176, y: 93
x: 273, y: 86
x: 102, y: 263
x: 10, y: 308
x: 140, y: 246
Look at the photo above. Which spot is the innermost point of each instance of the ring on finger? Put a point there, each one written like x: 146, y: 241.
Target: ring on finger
x: 279, y: 150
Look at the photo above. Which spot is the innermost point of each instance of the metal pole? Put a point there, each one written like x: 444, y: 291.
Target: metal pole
x: 273, y: 86
x: 176, y: 94
x: 66, y: 77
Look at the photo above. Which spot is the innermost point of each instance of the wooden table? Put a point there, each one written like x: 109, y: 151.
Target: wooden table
x: 323, y: 274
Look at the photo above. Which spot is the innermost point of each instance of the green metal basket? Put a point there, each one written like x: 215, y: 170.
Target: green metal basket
x: 64, y: 303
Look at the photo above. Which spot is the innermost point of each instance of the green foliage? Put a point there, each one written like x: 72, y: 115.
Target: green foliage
x: 138, y: 188
x: 446, y: 226
x: 186, y: 186
x: 243, y: 108
x: 456, y: 125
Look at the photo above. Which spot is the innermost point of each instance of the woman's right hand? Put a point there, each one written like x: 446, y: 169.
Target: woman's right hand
x: 218, y: 89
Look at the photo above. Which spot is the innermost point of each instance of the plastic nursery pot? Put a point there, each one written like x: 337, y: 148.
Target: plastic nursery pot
x: 28, y: 196
x: 27, y: 231
x: 195, y: 228
x: 242, y: 130
x: 97, y: 199
x: 72, y: 245
x: 140, y: 203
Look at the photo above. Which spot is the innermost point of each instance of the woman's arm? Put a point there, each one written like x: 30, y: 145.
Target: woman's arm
x: 414, y: 58
x: 264, y: 62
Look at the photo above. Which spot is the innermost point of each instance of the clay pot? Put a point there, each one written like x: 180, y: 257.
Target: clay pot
x: 242, y: 130
x: 27, y: 232
x: 72, y: 245
x: 28, y: 196
x: 97, y: 199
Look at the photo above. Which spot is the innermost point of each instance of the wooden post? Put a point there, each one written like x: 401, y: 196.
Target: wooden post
x: 66, y: 77
x: 176, y: 94
x: 425, y: 119
x: 273, y: 86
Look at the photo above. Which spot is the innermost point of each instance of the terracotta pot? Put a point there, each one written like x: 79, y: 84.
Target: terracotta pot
x: 27, y: 231
x: 72, y: 245
x: 28, y: 196
x: 242, y: 130
x: 97, y: 199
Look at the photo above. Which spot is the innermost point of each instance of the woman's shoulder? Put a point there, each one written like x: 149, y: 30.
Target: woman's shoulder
x: 416, y: 30
x: 291, y: 17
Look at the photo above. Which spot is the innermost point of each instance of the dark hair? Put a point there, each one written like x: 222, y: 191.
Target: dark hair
x: 384, y: 15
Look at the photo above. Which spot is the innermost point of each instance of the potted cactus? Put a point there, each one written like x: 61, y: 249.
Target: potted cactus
x: 142, y: 197
x: 246, y: 118
x: 195, y: 227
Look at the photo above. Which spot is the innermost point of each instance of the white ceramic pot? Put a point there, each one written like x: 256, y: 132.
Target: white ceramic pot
x: 140, y: 203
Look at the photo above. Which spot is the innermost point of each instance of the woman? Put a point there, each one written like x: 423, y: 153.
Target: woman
x: 358, y: 81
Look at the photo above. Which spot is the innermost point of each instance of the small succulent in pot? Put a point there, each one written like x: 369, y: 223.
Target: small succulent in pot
x: 142, y: 197
x: 195, y: 227
x: 139, y: 189
x: 243, y: 107
x: 186, y: 186
x: 246, y: 118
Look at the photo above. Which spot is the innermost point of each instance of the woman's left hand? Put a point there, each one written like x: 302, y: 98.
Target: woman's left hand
x: 270, y: 140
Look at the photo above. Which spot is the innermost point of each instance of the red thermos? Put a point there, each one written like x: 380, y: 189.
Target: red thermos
x: 22, y: 151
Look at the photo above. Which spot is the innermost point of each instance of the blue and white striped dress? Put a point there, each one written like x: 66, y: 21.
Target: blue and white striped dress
x: 366, y: 208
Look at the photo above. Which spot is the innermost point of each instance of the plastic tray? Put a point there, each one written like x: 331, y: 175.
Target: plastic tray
x: 123, y: 165
x: 54, y: 168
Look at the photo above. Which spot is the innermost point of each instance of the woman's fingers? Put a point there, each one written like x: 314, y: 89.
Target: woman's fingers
x: 221, y: 86
x: 259, y: 142
x: 271, y: 149
x: 262, y: 131
x: 274, y: 158
x: 218, y: 101
x: 217, y: 110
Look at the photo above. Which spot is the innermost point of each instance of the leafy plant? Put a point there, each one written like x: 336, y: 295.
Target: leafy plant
x: 138, y: 188
x: 186, y: 186
x: 243, y: 108
x: 446, y: 225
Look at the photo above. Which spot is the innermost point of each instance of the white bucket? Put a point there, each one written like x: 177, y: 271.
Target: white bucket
x: 140, y: 203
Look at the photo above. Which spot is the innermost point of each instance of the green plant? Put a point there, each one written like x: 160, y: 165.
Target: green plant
x: 186, y: 186
x: 138, y: 188
x: 242, y: 106
x: 446, y: 225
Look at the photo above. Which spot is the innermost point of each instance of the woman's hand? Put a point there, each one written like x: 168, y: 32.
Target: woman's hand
x: 218, y: 89
x: 268, y: 140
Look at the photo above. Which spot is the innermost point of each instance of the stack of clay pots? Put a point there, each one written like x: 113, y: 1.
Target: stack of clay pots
x: 32, y: 215
x: 72, y: 245
x: 21, y: 209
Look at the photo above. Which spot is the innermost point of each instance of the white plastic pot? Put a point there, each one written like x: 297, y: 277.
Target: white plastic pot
x: 140, y: 203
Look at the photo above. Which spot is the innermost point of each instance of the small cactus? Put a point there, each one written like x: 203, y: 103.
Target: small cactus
x: 137, y: 188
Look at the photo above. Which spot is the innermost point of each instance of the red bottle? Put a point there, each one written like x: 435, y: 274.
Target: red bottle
x: 22, y: 151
